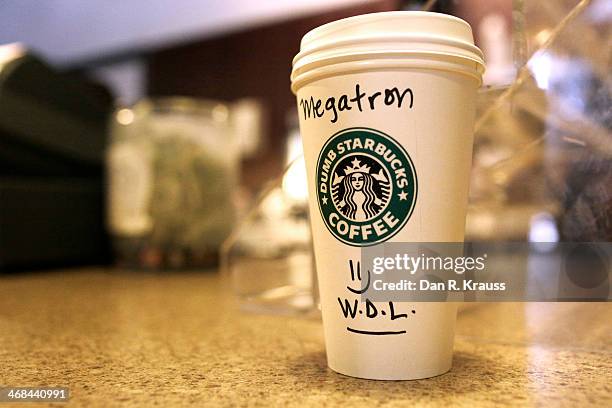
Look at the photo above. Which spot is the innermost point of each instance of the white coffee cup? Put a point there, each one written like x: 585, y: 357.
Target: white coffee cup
x: 386, y: 105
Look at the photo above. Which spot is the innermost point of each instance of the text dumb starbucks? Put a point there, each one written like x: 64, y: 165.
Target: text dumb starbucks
x: 316, y: 108
x: 379, y: 149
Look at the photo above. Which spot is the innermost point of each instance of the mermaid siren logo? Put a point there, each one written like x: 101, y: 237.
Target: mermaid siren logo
x: 357, y: 194
x: 367, y: 186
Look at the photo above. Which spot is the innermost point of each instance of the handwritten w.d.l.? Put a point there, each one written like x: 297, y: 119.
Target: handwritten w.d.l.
x: 352, y: 308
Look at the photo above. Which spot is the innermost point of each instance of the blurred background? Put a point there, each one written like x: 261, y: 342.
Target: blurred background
x: 162, y: 135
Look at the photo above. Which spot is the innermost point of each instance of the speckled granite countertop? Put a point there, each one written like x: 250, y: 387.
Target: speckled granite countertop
x: 135, y: 339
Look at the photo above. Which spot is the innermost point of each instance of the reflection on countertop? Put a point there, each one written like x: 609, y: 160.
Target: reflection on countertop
x: 179, y: 338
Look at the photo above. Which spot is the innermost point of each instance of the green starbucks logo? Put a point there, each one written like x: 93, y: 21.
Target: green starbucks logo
x: 366, y: 186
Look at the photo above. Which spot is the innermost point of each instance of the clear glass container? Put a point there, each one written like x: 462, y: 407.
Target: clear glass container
x: 172, y: 168
x: 269, y: 257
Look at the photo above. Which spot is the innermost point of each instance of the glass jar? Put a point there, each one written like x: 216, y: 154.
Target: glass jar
x: 172, y: 172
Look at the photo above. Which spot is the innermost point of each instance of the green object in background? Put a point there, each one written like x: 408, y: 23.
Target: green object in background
x: 172, y: 178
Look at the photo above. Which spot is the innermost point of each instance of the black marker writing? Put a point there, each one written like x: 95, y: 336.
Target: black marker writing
x: 351, y: 308
x: 315, y: 108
